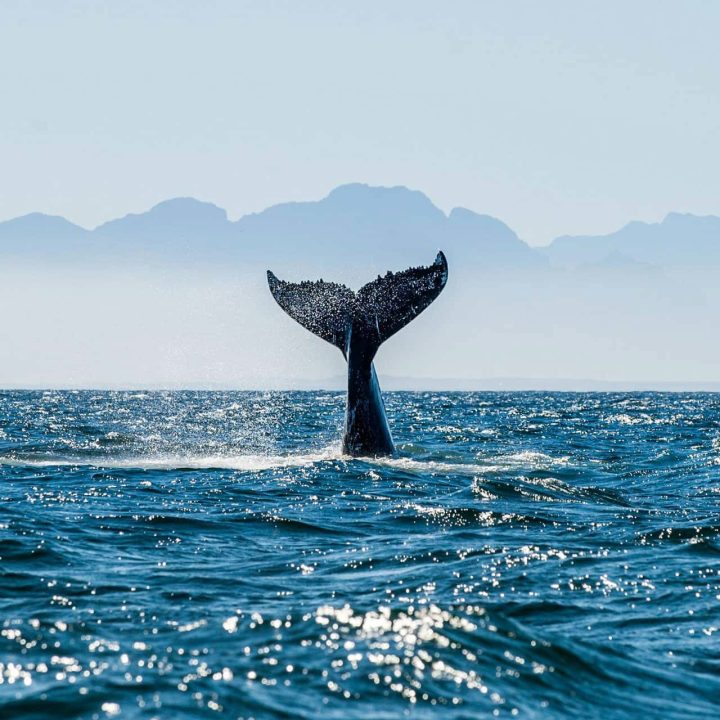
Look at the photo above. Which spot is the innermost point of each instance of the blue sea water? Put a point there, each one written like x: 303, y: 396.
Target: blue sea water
x: 203, y: 555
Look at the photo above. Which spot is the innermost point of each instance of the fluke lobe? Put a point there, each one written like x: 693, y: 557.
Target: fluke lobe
x: 358, y: 323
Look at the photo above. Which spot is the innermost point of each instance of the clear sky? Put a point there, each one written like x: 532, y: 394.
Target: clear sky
x: 556, y: 116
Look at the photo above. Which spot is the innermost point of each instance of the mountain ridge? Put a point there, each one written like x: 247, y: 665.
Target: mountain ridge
x: 390, y: 222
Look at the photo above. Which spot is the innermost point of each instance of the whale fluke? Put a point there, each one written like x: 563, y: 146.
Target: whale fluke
x: 323, y: 308
x: 391, y: 302
x: 383, y: 306
x: 357, y: 324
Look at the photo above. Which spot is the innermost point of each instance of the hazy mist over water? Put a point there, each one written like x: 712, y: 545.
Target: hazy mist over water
x: 188, y: 555
x: 177, y: 297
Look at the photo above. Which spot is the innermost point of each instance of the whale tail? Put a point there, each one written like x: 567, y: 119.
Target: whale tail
x: 358, y: 323
x: 377, y: 311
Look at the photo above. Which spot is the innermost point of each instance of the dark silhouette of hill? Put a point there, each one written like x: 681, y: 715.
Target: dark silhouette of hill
x: 355, y: 223
x: 184, y: 218
x: 373, y: 226
x: 39, y: 226
x: 679, y: 241
x: 42, y: 237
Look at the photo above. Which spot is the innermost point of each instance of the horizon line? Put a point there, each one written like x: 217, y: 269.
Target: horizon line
x: 392, y: 385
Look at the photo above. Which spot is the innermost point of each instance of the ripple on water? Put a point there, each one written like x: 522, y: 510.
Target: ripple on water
x: 198, y: 554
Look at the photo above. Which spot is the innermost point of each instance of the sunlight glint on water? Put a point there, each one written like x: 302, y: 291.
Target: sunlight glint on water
x: 212, y: 554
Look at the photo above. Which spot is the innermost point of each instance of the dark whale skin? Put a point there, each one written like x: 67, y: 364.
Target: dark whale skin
x: 357, y: 324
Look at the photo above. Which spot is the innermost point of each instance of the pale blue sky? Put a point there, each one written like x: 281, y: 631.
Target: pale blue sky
x: 557, y: 117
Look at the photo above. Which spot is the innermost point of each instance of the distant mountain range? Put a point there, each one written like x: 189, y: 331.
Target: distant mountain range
x: 177, y: 296
x: 680, y: 240
x: 354, y: 223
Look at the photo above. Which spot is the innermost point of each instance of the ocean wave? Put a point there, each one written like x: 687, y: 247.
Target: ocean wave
x: 214, y: 554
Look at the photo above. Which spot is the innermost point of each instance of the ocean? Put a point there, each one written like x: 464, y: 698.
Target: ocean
x: 212, y: 555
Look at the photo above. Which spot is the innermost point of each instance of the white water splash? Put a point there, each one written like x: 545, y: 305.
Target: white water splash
x: 260, y: 462
x: 247, y: 463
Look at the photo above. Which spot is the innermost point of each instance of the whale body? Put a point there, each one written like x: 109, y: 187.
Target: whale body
x: 358, y: 323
